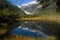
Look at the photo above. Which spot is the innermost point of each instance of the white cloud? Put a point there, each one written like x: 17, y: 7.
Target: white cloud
x: 32, y: 2
x: 19, y: 6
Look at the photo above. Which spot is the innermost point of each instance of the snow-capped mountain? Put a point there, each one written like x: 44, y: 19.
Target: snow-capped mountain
x: 30, y: 7
x: 34, y: 7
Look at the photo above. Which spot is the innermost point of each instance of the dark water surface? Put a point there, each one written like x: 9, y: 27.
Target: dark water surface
x: 23, y: 30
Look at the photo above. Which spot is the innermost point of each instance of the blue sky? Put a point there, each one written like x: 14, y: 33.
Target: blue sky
x: 20, y: 2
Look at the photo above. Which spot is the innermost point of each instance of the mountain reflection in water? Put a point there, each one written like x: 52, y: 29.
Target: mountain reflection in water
x: 25, y: 30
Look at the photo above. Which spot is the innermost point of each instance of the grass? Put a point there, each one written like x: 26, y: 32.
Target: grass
x: 16, y: 37
x: 2, y: 31
x: 43, y: 18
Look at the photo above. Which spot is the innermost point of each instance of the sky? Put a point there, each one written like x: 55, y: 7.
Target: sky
x: 20, y: 2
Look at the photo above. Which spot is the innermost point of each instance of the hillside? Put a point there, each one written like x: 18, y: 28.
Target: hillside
x: 8, y: 5
x: 8, y: 14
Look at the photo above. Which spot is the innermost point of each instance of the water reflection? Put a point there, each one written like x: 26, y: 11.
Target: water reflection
x: 26, y: 30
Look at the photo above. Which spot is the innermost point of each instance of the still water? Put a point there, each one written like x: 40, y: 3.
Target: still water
x: 26, y: 29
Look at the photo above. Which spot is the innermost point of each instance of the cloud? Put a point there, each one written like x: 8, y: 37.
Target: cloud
x: 32, y: 2
x: 19, y: 6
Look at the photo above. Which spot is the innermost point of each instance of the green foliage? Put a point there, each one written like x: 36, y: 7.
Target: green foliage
x: 8, y: 15
x: 16, y: 37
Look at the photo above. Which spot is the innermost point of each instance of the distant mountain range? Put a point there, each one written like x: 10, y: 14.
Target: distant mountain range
x: 34, y: 7
x: 30, y: 8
